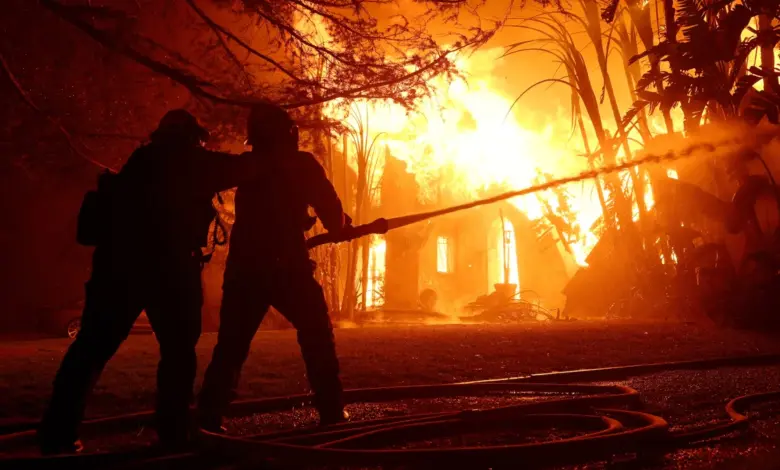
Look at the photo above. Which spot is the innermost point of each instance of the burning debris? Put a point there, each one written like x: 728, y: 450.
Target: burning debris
x: 506, y: 305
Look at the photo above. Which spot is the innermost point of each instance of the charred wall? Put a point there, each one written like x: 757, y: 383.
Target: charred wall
x: 465, y: 276
x: 399, y: 196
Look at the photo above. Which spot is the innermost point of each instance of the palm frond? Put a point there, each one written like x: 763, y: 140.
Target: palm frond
x: 634, y: 111
x: 741, y: 55
x: 609, y: 11
x: 743, y: 85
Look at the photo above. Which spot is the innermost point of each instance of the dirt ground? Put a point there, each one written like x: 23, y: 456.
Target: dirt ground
x: 378, y: 357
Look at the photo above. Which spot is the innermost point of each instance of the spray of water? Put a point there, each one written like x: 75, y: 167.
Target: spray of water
x: 729, y: 141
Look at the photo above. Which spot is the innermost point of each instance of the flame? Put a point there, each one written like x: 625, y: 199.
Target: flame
x: 504, y: 270
x: 443, y: 255
x: 649, y: 198
x: 462, y: 143
x: 657, y: 124
x: 376, y: 271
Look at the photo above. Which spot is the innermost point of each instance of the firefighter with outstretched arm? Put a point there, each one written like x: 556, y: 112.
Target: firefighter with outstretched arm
x: 148, y: 223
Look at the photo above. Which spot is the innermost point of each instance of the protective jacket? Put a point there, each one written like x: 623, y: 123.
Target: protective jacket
x: 272, y: 212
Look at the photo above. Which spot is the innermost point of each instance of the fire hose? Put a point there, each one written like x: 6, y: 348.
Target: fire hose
x: 601, y: 414
x: 382, y: 225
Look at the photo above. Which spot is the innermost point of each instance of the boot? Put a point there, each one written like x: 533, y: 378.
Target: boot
x: 211, y: 423
x: 53, y: 447
x: 334, y: 416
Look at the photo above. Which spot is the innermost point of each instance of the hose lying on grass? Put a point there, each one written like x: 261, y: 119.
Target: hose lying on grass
x: 597, y: 412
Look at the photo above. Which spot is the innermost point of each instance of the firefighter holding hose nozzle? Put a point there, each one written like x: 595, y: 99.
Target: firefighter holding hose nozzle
x: 268, y: 265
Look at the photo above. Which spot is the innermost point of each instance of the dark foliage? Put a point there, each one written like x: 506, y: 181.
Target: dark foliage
x: 707, y: 61
x: 295, y: 53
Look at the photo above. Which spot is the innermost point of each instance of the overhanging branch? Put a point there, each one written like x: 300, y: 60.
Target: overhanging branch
x: 28, y: 100
x: 352, y: 93
x: 220, y: 29
x: 193, y: 84
x: 393, y: 72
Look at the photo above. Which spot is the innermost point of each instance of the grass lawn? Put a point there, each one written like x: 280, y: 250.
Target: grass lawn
x: 378, y: 357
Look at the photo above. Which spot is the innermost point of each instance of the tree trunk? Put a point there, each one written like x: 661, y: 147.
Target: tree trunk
x: 640, y: 17
x: 365, y: 250
x: 348, y: 299
x: 768, y: 54
x: 671, y: 36
x: 622, y: 205
x: 599, y: 190
x: 633, y: 74
x: 361, y: 201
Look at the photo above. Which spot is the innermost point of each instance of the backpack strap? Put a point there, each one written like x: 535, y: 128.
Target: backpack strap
x: 219, y: 236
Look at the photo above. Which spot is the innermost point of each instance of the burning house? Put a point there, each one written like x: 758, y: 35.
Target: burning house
x: 448, y: 262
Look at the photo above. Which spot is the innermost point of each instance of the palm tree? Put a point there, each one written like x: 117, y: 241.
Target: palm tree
x: 365, y: 194
x: 707, y: 66
x: 556, y: 40
x: 642, y: 24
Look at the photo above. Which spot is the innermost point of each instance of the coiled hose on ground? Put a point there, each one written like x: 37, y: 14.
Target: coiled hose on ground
x: 600, y: 414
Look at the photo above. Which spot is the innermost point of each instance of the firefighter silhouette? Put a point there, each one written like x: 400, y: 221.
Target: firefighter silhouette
x: 148, y: 223
x: 268, y: 265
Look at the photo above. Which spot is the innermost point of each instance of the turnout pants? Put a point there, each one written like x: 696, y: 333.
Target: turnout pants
x: 247, y: 295
x: 170, y: 292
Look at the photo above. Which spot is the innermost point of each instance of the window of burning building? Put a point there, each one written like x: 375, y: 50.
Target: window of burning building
x: 375, y: 295
x: 443, y: 258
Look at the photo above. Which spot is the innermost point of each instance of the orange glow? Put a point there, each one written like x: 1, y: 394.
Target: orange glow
x: 376, y: 271
x: 649, y: 198
x: 508, y: 254
x: 464, y: 142
x: 658, y: 126
x: 754, y: 59
x: 442, y: 255
x: 672, y: 174
x: 461, y: 142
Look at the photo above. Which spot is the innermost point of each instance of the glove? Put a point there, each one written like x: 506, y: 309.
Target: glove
x: 308, y: 223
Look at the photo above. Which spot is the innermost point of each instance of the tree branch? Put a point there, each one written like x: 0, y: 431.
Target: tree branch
x: 354, y: 91
x: 193, y: 84
x: 235, y: 60
x: 339, y: 22
x: 28, y: 100
x: 299, y: 37
x: 110, y: 135
x: 220, y: 29
x: 373, y: 75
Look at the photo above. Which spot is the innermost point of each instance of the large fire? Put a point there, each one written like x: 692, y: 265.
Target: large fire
x: 466, y: 142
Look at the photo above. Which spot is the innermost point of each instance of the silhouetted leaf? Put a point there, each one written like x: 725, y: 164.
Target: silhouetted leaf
x: 743, y: 85
x: 608, y: 14
x: 638, y: 106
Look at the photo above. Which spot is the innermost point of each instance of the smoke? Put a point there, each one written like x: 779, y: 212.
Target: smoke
x: 725, y: 141
x: 715, y: 141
